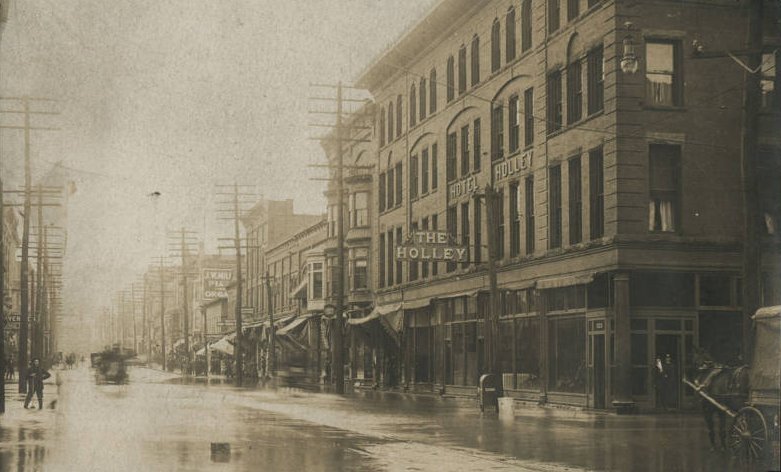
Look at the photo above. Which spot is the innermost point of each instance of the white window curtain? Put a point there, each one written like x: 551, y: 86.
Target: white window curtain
x: 660, y: 215
x: 666, y: 214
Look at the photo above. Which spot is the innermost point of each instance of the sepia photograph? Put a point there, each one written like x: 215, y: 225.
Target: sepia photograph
x: 390, y: 235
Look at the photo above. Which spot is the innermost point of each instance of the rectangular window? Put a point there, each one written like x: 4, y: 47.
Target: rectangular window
x: 526, y: 25
x: 514, y: 124
x: 575, y: 201
x: 465, y: 154
x: 391, y: 188
x: 478, y: 232
x: 515, y: 220
x: 529, y: 199
x: 596, y: 81
x: 413, y: 265
x: 359, y: 266
x: 497, y: 132
x: 434, y: 167
x: 465, y: 229
x: 424, y: 265
x: 317, y: 280
x: 360, y: 209
x: 567, y: 353
x: 452, y: 225
x: 391, y: 256
x: 770, y: 77
x: 381, y: 260
x: 663, y: 202
x: 663, y: 73
x: 554, y: 206
x: 399, y: 196
x: 554, y: 101
x: 499, y: 225
x: 450, y: 151
x: 574, y: 92
x: 451, y: 79
x: 528, y: 114
x: 596, y: 192
x: 476, y: 144
x: 573, y: 9
x: 554, y: 15
x: 413, y: 177
x: 434, y: 226
x: 424, y: 171
x: 382, y: 192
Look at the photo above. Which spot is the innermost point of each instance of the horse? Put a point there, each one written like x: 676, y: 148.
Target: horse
x: 726, y: 385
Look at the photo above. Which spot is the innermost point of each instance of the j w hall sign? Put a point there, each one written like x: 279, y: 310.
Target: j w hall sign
x: 431, y: 246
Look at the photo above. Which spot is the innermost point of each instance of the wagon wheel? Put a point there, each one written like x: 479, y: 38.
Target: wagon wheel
x: 748, y: 435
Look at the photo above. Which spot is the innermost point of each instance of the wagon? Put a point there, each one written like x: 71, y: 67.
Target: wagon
x: 753, y: 435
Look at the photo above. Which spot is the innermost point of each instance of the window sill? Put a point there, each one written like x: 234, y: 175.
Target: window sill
x: 664, y: 108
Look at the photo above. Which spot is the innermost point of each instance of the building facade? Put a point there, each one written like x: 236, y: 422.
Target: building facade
x: 617, y: 228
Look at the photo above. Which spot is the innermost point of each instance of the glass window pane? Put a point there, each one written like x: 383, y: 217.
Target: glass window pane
x: 659, y: 57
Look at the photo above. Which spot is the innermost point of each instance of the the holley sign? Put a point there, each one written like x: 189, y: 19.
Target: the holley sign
x: 431, y: 246
x: 513, y: 166
x: 215, y: 283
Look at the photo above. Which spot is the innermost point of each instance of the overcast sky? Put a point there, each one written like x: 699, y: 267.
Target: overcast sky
x: 175, y: 96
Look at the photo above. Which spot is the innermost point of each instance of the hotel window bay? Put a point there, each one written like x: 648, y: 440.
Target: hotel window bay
x: 554, y: 100
x: 664, y: 162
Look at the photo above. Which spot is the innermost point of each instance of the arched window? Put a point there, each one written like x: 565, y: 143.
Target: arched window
x: 496, y: 54
x: 432, y: 95
x: 462, y: 69
x: 422, y: 98
x: 451, y: 72
x: 413, y: 106
x: 399, y: 115
x: 382, y: 127
x: 510, y: 34
x: 475, y: 60
x: 390, y: 121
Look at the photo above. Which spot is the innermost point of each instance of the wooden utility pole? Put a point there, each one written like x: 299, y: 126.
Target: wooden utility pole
x: 272, y: 337
x: 239, y: 349
x: 492, y: 316
x: 162, y: 314
x: 23, y: 282
x: 2, y: 300
x: 338, y: 328
x: 752, y: 250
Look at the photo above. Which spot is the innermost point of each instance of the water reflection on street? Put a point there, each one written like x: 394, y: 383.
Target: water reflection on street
x: 157, y: 422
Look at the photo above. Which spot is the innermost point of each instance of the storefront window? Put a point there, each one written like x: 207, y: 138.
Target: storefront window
x: 567, y: 359
x: 528, y: 353
x: 715, y: 290
x: 639, y: 355
x: 505, y: 348
x: 662, y: 289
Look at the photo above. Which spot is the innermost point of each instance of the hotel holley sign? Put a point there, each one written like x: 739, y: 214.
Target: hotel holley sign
x: 431, y: 246
x: 513, y: 166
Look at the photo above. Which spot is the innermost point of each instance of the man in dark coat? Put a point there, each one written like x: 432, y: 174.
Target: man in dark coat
x: 35, y: 377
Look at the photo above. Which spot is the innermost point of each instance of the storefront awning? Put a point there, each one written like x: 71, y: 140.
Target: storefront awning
x: 376, y: 313
x: 300, y: 291
x: 417, y: 304
x: 294, y: 325
x: 222, y: 346
x: 567, y: 281
x: 768, y: 312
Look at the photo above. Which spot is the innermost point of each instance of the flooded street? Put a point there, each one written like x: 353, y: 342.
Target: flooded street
x: 159, y: 422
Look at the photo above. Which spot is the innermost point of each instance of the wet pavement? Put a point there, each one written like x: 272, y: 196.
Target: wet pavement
x: 159, y: 422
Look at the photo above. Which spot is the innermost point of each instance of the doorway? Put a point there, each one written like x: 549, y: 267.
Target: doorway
x: 598, y: 370
x: 668, y: 381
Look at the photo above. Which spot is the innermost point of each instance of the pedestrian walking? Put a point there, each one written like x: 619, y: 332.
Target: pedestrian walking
x: 660, y: 382
x: 35, y: 377
x: 9, y: 368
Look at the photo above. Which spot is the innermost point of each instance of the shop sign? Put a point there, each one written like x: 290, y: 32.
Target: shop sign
x: 215, y: 283
x: 513, y: 166
x: 431, y: 246
x: 463, y: 187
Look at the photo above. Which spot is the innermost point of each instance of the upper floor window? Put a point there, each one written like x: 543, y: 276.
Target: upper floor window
x: 526, y: 25
x: 399, y: 196
x: 596, y: 166
x: 514, y: 124
x: 496, y: 54
x: 390, y: 192
x: 413, y: 177
x: 574, y: 91
x: 596, y: 80
x: 399, y: 116
x: 554, y: 100
x: 465, y: 156
x: 359, y: 272
x: 462, y: 70
x: 573, y: 9
x: 359, y: 209
x: 382, y: 127
x: 451, y: 78
x: 332, y: 221
x: 450, y: 156
x: 432, y: 91
x: 770, y: 77
x: 434, y: 167
x: 390, y: 122
x: 663, y: 73
x: 413, y: 106
x: 554, y: 15
x: 423, y: 104
x: 509, y: 34
x: 528, y: 114
x: 476, y: 144
x: 316, y: 280
x: 497, y: 132
x: 554, y: 206
x: 424, y: 171
x: 381, y: 192
x: 475, y: 60
x: 664, y: 162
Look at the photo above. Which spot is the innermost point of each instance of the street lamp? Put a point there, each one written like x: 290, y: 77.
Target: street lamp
x: 629, y: 62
